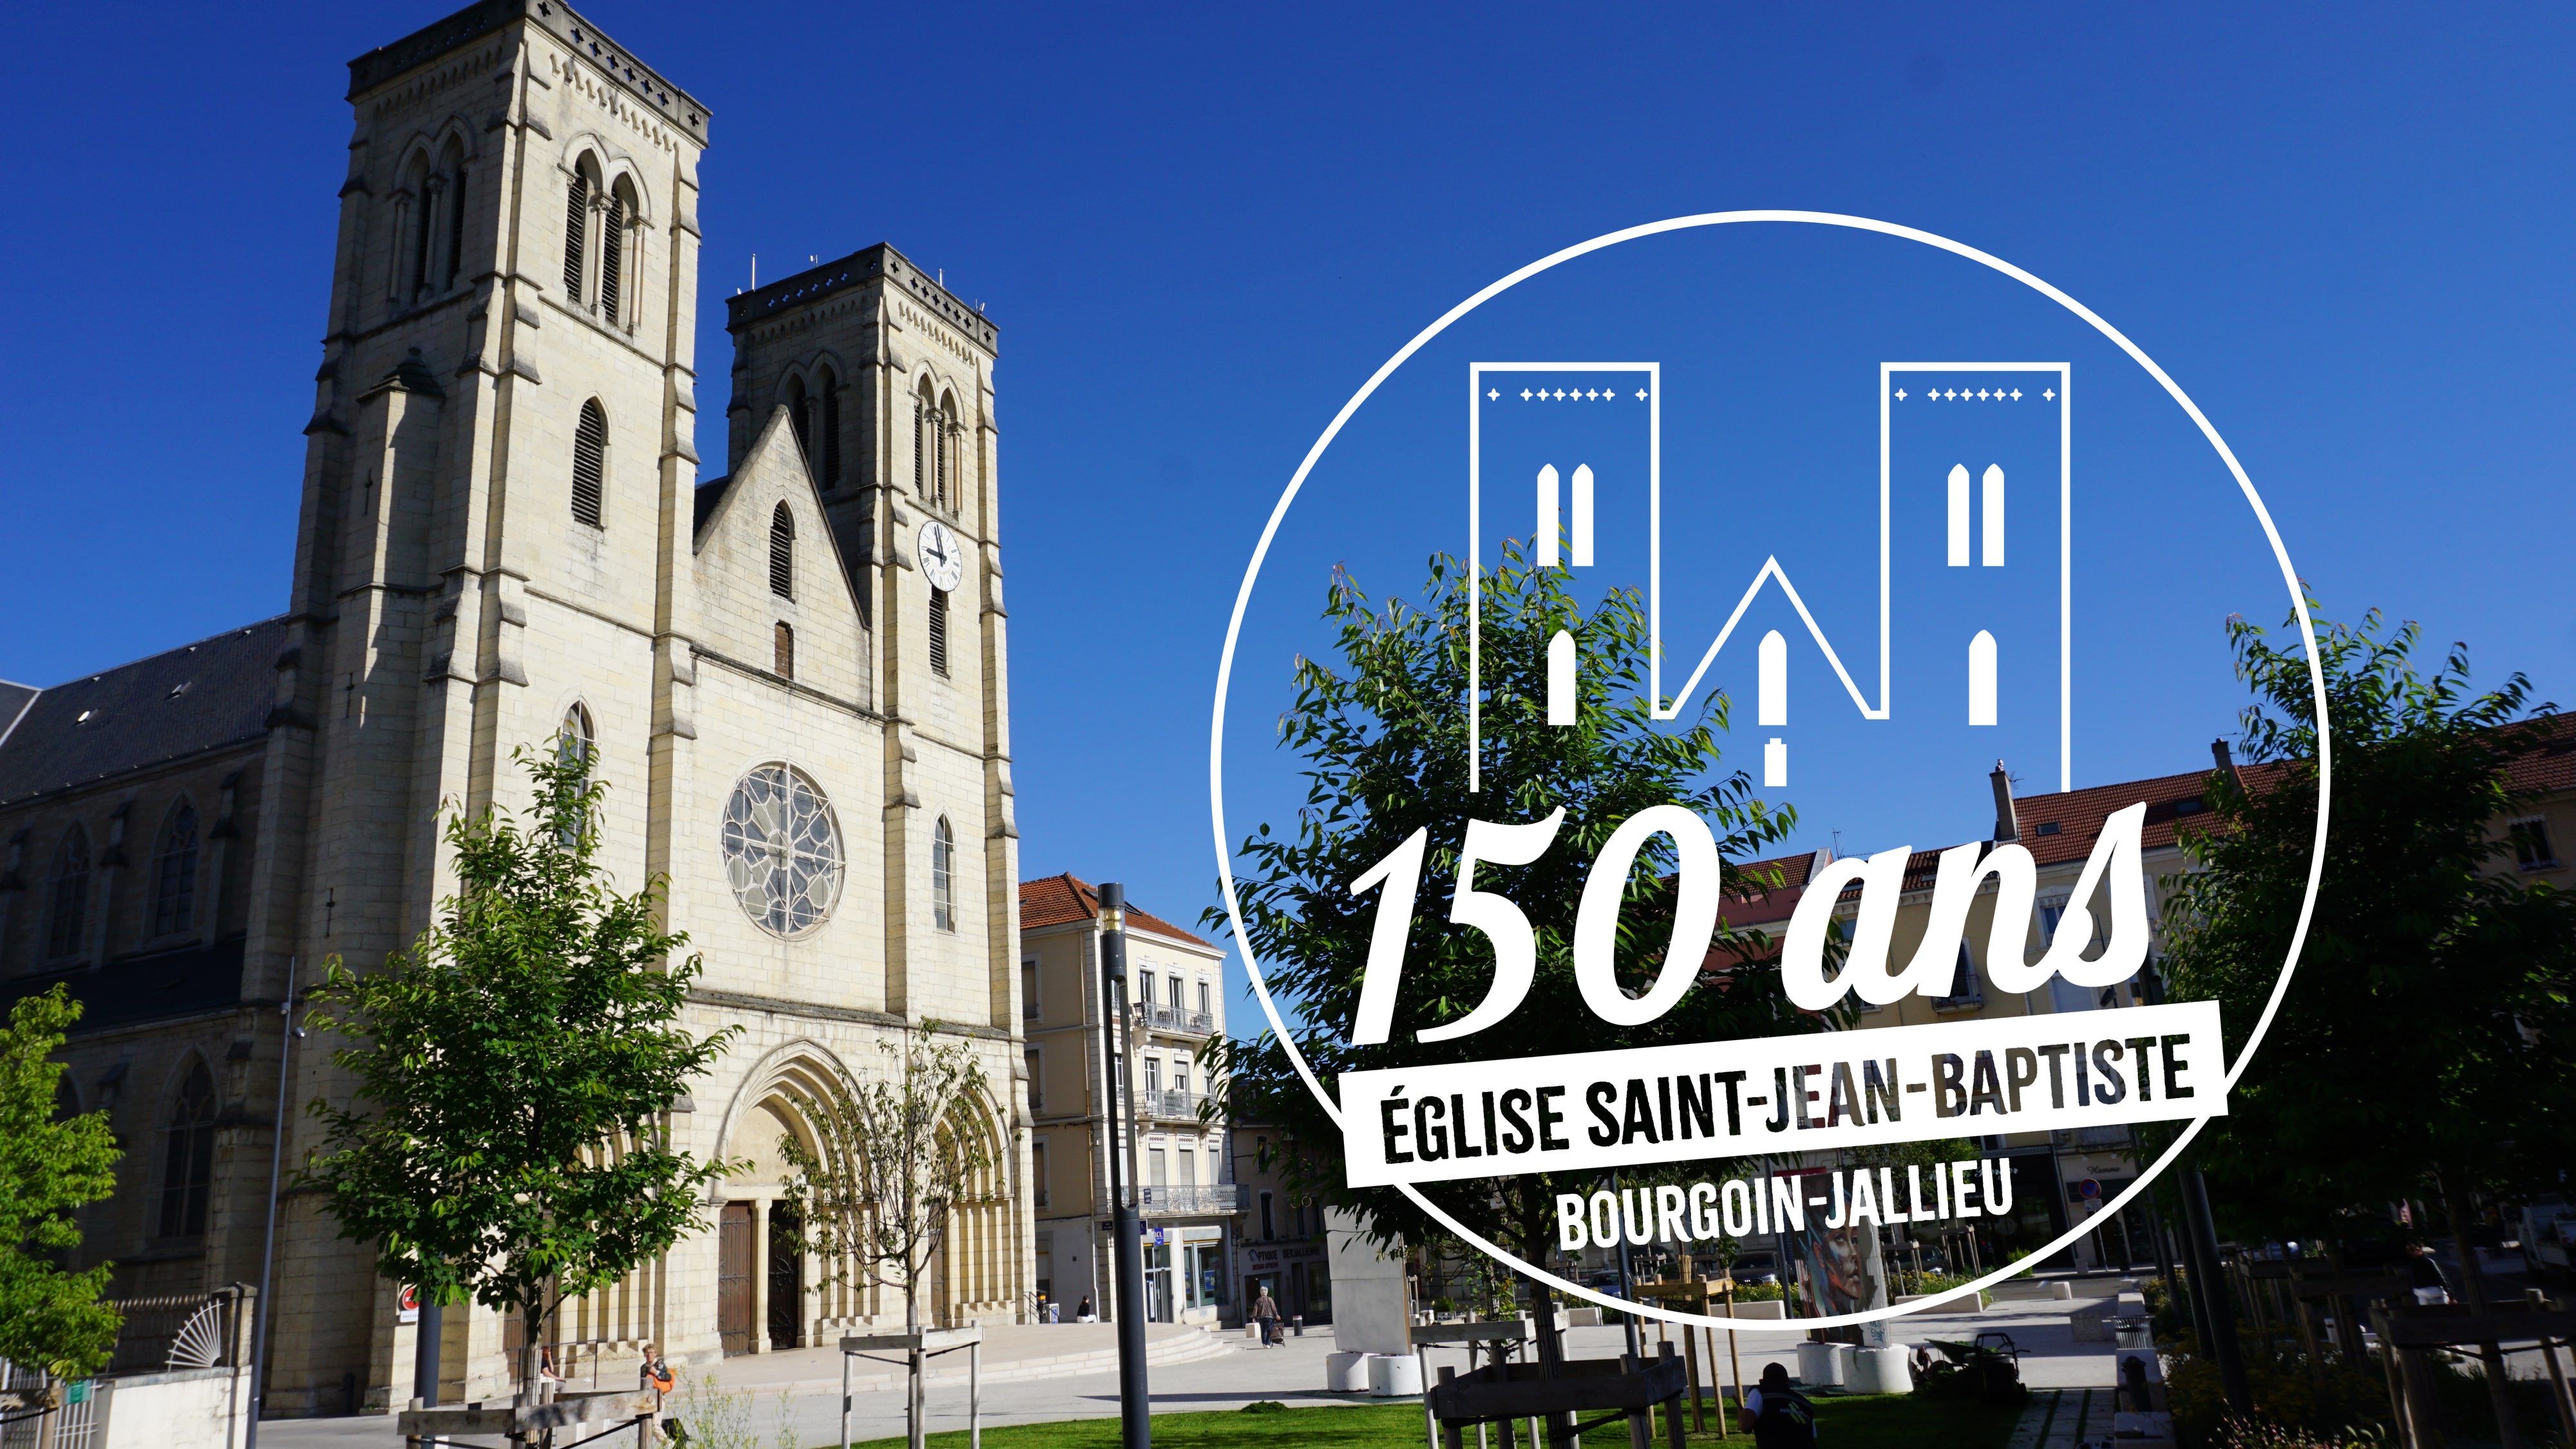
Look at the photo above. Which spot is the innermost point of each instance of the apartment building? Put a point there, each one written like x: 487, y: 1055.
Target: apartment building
x: 1180, y: 1154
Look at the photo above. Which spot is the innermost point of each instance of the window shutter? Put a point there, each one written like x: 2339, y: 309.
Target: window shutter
x: 939, y: 630
x: 782, y: 553
x: 589, y: 455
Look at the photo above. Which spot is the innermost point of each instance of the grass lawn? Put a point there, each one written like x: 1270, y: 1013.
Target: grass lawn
x: 1891, y: 1421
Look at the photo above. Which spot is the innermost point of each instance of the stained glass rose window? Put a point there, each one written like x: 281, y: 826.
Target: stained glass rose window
x: 782, y: 852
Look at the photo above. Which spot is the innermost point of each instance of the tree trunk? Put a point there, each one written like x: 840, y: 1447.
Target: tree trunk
x: 2455, y: 1201
x: 1551, y: 1346
x: 912, y: 1426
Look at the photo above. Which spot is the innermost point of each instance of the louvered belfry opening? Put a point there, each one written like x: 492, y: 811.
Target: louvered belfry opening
x: 800, y: 419
x: 424, y: 193
x: 576, y: 234
x: 939, y: 630
x: 782, y: 553
x: 589, y: 456
x: 455, y: 215
x: 831, y: 386
x: 612, y: 257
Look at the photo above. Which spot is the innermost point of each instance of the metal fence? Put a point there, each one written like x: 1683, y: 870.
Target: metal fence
x: 24, y: 1428
x: 179, y: 1331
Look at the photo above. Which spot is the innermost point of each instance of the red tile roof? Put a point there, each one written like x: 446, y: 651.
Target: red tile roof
x: 2552, y: 767
x: 1059, y: 900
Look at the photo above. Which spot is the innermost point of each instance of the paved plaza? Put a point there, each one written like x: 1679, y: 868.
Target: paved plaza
x: 1038, y: 1374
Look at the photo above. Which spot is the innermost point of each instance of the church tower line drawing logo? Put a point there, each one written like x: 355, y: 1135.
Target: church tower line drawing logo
x: 1975, y: 511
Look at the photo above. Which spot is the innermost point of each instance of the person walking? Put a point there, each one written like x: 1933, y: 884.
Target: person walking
x: 1266, y: 1313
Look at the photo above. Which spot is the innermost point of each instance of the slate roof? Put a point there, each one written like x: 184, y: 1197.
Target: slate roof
x: 704, y: 501
x: 196, y: 697
x: 1060, y: 900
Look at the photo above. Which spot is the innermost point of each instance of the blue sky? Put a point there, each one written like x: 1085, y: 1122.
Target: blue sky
x: 2343, y: 229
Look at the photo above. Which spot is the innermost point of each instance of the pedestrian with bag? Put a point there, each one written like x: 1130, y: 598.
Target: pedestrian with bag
x: 1265, y: 1312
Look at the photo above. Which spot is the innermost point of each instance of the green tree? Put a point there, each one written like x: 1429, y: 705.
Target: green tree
x: 2428, y: 970
x: 50, y: 1165
x: 2426, y: 1044
x: 1384, y: 743
x: 505, y: 1141
x: 892, y: 1160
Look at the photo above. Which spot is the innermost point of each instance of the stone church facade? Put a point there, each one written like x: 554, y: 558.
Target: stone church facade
x: 792, y: 679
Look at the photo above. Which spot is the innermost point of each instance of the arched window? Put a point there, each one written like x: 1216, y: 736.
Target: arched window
x: 612, y: 252
x: 784, y: 648
x: 67, y: 895
x: 454, y: 165
x: 829, y: 386
x: 174, y: 872
x: 939, y: 630
x: 782, y: 552
x: 575, y: 742
x: 589, y: 463
x: 188, y: 1156
x: 943, y: 876
x: 576, y: 270
x: 800, y: 410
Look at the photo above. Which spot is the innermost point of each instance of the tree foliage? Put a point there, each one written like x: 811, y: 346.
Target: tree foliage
x: 1383, y: 738
x: 505, y: 1139
x: 50, y: 1165
x: 2427, y: 1031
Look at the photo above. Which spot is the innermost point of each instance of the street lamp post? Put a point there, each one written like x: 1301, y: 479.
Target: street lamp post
x: 1135, y: 1405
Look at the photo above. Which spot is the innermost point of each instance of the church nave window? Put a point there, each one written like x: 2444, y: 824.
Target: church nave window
x: 939, y: 630
x: 188, y: 1156
x: 589, y: 464
x: 67, y: 895
x: 174, y: 873
x: 782, y: 552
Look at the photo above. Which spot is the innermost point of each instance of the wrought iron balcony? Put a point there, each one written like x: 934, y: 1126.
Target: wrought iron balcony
x: 1177, y: 1106
x: 1174, y: 1019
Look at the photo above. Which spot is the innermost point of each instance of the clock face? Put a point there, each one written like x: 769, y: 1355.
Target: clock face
x: 943, y: 561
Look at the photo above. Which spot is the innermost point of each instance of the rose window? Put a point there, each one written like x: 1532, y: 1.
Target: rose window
x: 782, y: 852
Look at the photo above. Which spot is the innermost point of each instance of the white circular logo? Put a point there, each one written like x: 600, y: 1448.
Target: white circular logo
x: 1921, y: 589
